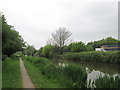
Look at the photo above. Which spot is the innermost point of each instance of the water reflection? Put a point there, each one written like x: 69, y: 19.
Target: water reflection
x: 110, y: 69
x: 95, y: 69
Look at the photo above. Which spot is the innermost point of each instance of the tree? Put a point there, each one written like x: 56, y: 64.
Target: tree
x: 30, y: 50
x: 78, y: 47
x: 40, y: 51
x: 46, y: 50
x: 61, y: 37
x: 106, y: 41
x: 67, y: 48
x: 12, y: 42
x: 50, y: 41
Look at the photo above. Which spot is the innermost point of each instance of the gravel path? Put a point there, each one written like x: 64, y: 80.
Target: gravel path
x: 27, y: 83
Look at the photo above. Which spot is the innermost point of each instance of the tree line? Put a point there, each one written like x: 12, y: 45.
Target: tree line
x: 59, y: 43
x: 12, y: 42
x: 55, y: 45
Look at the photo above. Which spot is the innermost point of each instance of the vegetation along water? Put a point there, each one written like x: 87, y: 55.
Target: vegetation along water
x: 61, y: 63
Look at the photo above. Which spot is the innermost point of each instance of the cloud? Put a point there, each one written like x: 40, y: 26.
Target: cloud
x: 37, y: 19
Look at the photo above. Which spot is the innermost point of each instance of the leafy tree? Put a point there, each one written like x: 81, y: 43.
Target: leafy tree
x: 11, y: 40
x: 67, y: 48
x: 55, y: 51
x: 40, y: 51
x: 49, y: 51
x: 78, y: 47
x: 106, y: 41
x: 89, y: 48
x: 30, y: 51
x: 46, y: 50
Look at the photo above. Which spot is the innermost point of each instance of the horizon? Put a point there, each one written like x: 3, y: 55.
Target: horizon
x: 36, y: 23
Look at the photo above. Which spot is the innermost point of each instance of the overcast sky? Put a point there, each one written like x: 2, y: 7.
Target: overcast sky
x: 35, y: 20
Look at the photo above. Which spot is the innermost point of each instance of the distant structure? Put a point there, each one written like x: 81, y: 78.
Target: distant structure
x: 108, y: 48
x: 99, y: 49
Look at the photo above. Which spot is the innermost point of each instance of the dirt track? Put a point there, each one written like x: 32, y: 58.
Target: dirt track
x: 26, y: 81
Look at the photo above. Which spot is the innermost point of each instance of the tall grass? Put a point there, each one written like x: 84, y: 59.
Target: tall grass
x: 94, y: 56
x: 49, y: 75
x: 11, y: 76
x: 39, y: 80
x: 107, y: 82
x: 71, y: 76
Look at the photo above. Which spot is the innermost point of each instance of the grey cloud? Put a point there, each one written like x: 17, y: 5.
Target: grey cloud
x: 87, y: 21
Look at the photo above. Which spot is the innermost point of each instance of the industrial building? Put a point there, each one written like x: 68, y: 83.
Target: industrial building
x: 108, y: 48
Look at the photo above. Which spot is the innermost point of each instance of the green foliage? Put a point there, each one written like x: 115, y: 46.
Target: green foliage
x: 70, y: 76
x: 106, y: 41
x: 78, y: 47
x: 78, y: 75
x: 29, y: 50
x: 67, y: 48
x: 89, y: 48
x: 11, y: 76
x: 55, y: 51
x: 107, y: 82
x: 73, y: 76
x: 39, y: 80
x: 49, y: 51
x: 94, y: 56
x: 40, y: 51
x: 46, y: 50
x: 11, y: 40
x: 4, y: 57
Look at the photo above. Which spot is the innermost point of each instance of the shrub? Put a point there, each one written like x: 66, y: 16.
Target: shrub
x: 94, y: 56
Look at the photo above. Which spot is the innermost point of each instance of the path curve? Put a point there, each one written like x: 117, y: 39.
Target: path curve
x: 26, y: 81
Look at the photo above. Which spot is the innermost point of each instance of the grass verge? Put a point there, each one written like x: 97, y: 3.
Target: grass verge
x: 11, y: 75
x: 45, y: 74
x: 37, y: 78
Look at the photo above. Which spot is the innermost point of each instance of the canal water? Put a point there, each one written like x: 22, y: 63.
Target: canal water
x: 95, y: 69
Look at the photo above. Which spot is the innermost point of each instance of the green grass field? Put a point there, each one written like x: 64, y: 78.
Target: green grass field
x: 11, y: 76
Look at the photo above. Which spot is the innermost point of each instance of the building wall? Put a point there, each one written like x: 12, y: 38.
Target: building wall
x: 111, y: 47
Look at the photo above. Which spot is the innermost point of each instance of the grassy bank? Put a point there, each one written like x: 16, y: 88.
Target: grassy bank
x: 107, y: 82
x: 45, y: 74
x: 37, y: 78
x: 11, y: 76
x: 94, y: 56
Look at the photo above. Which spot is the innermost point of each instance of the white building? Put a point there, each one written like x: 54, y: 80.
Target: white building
x: 100, y: 49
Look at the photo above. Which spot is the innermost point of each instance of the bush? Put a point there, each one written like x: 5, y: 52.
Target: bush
x: 94, y: 56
